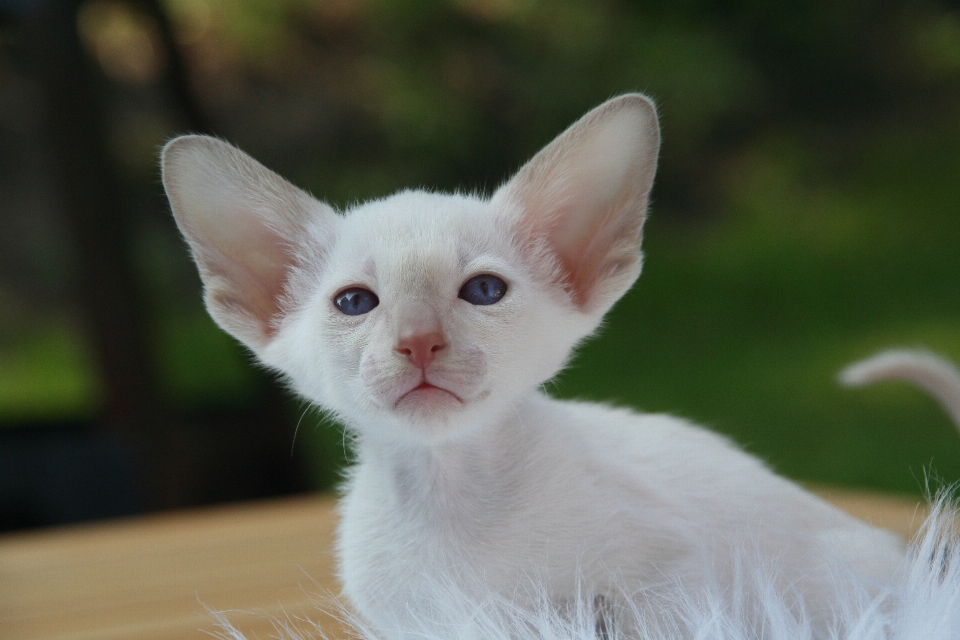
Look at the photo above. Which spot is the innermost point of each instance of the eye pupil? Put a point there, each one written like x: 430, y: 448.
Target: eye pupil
x: 484, y: 289
x: 356, y: 301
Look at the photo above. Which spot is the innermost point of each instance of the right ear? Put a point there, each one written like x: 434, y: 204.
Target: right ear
x: 247, y: 228
x: 584, y: 198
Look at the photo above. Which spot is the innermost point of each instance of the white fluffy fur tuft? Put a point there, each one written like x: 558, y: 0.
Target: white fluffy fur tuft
x: 922, y: 603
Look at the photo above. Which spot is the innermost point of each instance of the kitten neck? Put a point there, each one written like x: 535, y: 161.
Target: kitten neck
x: 468, y: 471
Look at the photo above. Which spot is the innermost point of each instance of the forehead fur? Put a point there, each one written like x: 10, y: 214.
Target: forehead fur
x: 414, y: 228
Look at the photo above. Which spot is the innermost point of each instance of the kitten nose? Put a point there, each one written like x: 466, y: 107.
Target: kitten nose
x: 421, y: 348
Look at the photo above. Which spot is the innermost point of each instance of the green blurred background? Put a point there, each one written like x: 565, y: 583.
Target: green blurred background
x: 806, y: 214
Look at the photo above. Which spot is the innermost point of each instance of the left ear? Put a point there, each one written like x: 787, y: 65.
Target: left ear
x: 246, y: 227
x: 584, y: 198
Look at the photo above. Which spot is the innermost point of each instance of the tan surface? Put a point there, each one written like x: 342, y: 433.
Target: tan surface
x: 149, y: 578
x: 901, y: 514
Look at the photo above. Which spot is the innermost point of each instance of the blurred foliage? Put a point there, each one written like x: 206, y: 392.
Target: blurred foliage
x: 805, y: 214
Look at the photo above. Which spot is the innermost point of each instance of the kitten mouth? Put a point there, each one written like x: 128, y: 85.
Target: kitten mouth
x: 429, y: 394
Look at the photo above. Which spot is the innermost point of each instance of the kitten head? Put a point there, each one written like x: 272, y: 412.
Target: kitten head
x: 421, y: 315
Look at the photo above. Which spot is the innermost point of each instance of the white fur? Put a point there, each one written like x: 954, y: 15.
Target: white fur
x: 922, y: 602
x: 481, y: 483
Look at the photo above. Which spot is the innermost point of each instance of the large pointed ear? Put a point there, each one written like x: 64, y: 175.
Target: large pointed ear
x: 584, y: 198
x: 247, y: 228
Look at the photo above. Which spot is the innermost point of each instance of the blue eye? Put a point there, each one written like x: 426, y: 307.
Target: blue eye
x: 483, y: 289
x: 356, y: 301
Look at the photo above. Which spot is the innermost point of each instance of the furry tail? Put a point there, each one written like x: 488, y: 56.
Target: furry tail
x: 933, y: 374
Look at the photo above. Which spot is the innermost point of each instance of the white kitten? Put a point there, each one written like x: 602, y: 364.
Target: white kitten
x: 427, y: 324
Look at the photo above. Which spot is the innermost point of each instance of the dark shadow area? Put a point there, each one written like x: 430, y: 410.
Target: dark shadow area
x: 53, y: 474
x: 67, y: 472
x: 141, y: 452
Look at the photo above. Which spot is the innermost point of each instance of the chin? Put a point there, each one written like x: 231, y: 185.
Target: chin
x: 427, y: 415
x: 433, y: 415
x: 432, y: 419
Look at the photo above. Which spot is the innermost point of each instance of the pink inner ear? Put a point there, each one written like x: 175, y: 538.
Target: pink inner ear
x: 244, y: 223
x: 583, y: 273
x: 250, y: 273
x: 592, y: 239
x: 585, y: 194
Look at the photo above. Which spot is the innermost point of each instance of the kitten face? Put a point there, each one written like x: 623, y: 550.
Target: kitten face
x: 418, y: 346
x: 424, y: 359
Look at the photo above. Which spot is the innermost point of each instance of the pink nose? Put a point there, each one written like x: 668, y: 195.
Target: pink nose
x: 421, y: 348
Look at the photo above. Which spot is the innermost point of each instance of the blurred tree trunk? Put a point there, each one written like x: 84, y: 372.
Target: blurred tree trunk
x: 107, y: 295
x: 182, y: 460
x: 269, y: 454
x: 178, y: 77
